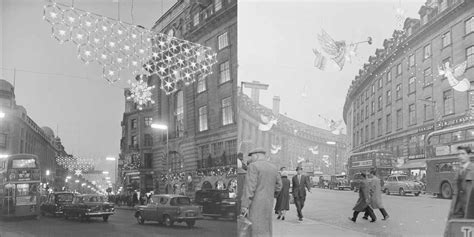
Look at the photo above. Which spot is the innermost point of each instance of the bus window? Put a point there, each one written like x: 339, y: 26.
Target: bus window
x: 458, y: 136
x: 434, y: 140
x: 445, y: 138
x: 470, y: 134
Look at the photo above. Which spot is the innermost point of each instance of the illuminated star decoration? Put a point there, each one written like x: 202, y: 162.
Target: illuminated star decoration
x: 275, y: 149
x: 267, y: 123
x: 337, y: 53
x: 314, y: 150
x: 452, y: 74
x: 140, y: 93
x: 118, y: 46
x: 78, y: 172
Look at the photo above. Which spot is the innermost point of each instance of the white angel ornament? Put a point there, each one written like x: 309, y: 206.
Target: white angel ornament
x: 314, y: 150
x: 275, y: 149
x: 267, y: 123
x: 452, y: 75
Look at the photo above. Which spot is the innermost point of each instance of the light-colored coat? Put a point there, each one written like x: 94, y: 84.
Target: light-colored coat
x: 375, y: 193
x: 261, y: 183
x: 364, y: 198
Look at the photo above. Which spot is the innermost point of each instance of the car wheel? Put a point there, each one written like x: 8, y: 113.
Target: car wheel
x: 446, y: 190
x: 105, y: 218
x: 167, y: 221
x: 387, y: 192
x: 417, y: 194
x: 401, y: 192
x: 190, y: 223
x: 140, y: 219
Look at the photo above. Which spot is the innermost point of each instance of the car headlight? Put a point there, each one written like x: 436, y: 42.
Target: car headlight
x: 88, y: 209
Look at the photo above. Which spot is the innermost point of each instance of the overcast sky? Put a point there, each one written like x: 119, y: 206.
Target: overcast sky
x: 276, y: 39
x: 85, y: 108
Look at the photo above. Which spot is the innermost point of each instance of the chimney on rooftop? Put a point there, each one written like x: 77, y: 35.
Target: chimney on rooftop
x: 276, y: 105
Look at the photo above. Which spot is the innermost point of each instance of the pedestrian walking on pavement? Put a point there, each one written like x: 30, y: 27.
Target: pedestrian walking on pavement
x: 283, y: 198
x: 362, y: 204
x: 300, y: 184
x: 276, y: 195
x: 464, y: 184
x: 261, y: 182
x: 375, y: 190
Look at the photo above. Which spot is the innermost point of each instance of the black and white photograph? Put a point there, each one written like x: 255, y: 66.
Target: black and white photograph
x: 118, y: 118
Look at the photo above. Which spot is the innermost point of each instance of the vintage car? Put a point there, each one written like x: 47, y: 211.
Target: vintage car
x: 54, y: 203
x: 85, y: 206
x: 216, y: 203
x: 402, y: 185
x: 168, y: 209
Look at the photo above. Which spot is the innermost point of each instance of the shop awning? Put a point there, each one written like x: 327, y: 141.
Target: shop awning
x: 413, y: 164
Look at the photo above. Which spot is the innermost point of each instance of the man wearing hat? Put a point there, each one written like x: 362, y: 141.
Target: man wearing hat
x: 261, y: 182
x: 300, y: 184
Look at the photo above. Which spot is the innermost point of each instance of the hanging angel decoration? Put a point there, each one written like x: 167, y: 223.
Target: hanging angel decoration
x: 275, y: 149
x: 314, y: 150
x: 326, y: 161
x: 334, y: 126
x: 300, y: 160
x: 334, y: 52
x: 267, y: 123
x: 452, y: 75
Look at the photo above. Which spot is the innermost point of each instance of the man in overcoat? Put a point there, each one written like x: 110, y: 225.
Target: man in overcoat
x: 375, y: 190
x: 362, y: 204
x: 300, y: 184
x: 261, y: 182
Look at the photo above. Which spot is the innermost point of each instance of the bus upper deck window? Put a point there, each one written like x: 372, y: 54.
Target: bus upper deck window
x: 434, y: 140
x: 470, y: 134
x: 445, y: 138
x: 459, y: 136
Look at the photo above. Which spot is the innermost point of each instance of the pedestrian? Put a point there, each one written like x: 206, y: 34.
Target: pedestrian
x: 375, y: 190
x: 283, y: 198
x: 300, y: 184
x: 261, y: 182
x: 276, y: 203
x: 241, y: 172
x: 362, y: 204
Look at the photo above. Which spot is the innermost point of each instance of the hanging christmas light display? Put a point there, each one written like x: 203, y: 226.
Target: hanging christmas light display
x: 141, y: 93
x: 117, y: 46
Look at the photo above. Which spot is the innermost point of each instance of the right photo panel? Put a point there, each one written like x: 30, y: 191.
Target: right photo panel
x: 355, y: 118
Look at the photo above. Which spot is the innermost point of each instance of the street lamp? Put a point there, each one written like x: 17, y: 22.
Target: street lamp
x: 335, y: 154
x: 163, y: 127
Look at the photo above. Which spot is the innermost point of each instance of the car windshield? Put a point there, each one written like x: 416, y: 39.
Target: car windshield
x: 402, y: 178
x: 224, y: 195
x: 94, y: 199
x: 64, y: 197
x: 180, y: 201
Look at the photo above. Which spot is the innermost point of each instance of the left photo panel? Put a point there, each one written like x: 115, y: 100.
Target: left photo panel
x: 120, y: 115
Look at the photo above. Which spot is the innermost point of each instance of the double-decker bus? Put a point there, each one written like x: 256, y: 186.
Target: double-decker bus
x: 381, y: 161
x: 20, y: 178
x: 441, y: 157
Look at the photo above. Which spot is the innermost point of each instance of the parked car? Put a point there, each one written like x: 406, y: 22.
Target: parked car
x: 86, y: 206
x: 216, y: 203
x: 168, y: 209
x: 54, y: 203
x: 402, y: 185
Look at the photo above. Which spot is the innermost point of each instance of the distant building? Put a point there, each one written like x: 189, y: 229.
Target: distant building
x: 201, y: 118
x: 289, y: 141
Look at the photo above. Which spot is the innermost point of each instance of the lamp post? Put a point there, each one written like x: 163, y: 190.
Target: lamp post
x: 335, y: 154
x: 163, y: 127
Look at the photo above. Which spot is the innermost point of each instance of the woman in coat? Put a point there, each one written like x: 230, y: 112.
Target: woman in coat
x: 283, y: 198
x: 362, y: 204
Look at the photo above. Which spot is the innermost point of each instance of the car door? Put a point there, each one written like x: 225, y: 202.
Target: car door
x: 160, y: 208
x: 390, y: 184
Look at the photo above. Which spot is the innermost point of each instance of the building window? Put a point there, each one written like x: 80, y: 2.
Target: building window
x: 424, y: 19
x: 366, y: 111
x: 443, y: 5
x: 196, y: 19
x: 227, y: 113
x: 428, y: 110
x: 446, y: 39
x: 148, y: 121
x: 148, y: 160
x: 411, y: 60
x: 380, y: 103
x: 373, y: 107
x: 389, y: 123
x: 428, y: 79
x: 224, y: 72
x: 446, y: 60
x: 399, y: 69
x: 366, y: 133
x: 223, y: 41
x: 469, y: 25
x: 427, y: 51
x: 148, y: 140
x: 367, y: 94
x: 134, y: 141
x: 380, y: 83
x: 3, y: 141
x: 448, y: 100
x: 201, y: 84
x: 372, y: 130
x: 389, y: 97
x: 389, y: 77
x: 411, y: 114
x: 398, y: 91
x: 362, y: 114
x: 379, y: 127
x: 218, y: 4
x: 179, y: 114
x: 411, y: 85
x: 361, y: 135
x: 373, y: 89
x: 203, y: 118
x: 470, y: 56
x: 399, y: 119
x: 134, y: 124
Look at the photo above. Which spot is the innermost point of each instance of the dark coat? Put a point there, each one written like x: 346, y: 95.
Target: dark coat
x: 283, y: 198
x: 299, y: 190
x: 462, y: 189
x: 364, y: 198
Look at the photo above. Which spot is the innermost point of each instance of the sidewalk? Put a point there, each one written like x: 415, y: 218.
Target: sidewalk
x: 292, y: 227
